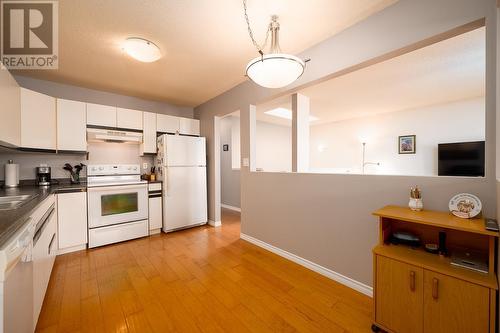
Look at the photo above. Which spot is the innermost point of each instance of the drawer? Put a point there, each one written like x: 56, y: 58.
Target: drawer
x: 154, y: 186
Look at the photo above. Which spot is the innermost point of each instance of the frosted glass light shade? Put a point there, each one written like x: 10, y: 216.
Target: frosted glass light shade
x: 142, y: 49
x: 275, y: 70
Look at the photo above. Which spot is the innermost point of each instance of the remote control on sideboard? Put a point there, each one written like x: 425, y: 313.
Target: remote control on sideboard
x: 491, y: 224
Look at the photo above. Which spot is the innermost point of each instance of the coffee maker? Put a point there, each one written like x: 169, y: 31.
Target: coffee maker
x: 43, y: 175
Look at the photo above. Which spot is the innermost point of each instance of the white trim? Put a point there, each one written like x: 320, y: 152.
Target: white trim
x: 71, y: 249
x: 237, y: 209
x: 214, y: 223
x: 347, y: 281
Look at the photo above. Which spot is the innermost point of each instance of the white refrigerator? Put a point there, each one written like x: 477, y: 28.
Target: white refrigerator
x: 181, y: 165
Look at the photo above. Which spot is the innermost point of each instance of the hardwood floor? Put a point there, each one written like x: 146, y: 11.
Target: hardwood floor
x: 198, y: 280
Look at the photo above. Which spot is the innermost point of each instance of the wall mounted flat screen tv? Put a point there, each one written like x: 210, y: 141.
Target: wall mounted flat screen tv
x: 461, y: 159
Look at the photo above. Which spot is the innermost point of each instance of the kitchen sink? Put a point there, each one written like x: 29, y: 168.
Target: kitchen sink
x: 15, y: 201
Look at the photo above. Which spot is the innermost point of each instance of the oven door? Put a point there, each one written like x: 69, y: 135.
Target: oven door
x: 110, y: 205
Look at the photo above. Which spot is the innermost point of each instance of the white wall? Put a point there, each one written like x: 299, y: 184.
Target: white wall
x: 273, y: 147
x: 336, y: 147
x: 99, y: 153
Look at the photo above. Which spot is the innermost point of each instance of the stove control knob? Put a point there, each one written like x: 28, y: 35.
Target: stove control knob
x: 93, y: 168
x: 101, y: 168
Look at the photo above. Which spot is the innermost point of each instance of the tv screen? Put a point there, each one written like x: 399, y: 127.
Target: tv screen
x: 461, y: 159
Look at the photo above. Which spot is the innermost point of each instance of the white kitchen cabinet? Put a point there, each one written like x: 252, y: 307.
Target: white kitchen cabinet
x: 101, y: 115
x: 38, y: 120
x: 10, y: 97
x: 72, y: 221
x: 149, y: 133
x: 167, y: 124
x: 189, y: 126
x: 44, y: 254
x: 155, y: 208
x: 71, y: 125
x: 127, y: 118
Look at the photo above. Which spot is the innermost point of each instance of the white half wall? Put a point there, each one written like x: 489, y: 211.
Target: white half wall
x: 336, y: 147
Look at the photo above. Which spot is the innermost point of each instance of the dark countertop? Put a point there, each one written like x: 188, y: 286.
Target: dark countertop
x: 12, y: 220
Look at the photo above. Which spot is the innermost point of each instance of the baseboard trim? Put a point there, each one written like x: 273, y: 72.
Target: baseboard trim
x: 214, y: 223
x: 237, y: 209
x: 351, y: 283
x: 71, y: 249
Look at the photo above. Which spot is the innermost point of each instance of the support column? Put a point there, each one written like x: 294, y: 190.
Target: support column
x: 247, y: 137
x: 300, y: 133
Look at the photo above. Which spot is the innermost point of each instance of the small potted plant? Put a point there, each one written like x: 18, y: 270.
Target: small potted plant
x: 74, y: 172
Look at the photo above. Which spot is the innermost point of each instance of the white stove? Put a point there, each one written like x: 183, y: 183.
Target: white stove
x: 117, y: 204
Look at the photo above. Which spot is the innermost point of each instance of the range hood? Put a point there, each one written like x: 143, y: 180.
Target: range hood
x: 113, y: 135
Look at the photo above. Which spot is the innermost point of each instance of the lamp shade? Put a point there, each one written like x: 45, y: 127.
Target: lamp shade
x: 142, y: 49
x: 275, y: 70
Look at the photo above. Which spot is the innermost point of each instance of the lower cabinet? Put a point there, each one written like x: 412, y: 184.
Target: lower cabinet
x: 399, y: 295
x: 411, y: 299
x: 44, y: 254
x: 72, y: 221
x: 155, y: 208
x: 452, y: 305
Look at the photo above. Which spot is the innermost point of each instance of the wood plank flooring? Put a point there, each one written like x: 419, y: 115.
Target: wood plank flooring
x: 198, y: 280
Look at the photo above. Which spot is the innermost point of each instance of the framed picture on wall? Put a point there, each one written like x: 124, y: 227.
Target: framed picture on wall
x: 407, y: 144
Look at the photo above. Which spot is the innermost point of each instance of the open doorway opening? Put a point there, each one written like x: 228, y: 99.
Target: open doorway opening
x: 230, y: 156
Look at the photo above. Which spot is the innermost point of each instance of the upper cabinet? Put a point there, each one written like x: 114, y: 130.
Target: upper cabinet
x: 167, y: 124
x: 189, y: 126
x: 10, y: 97
x: 126, y: 118
x: 71, y: 126
x: 149, y: 133
x: 101, y: 115
x: 38, y: 120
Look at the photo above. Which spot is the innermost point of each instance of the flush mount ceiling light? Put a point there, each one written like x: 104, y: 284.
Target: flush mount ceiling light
x: 141, y: 49
x: 286, y: 114
x: 275, y: 69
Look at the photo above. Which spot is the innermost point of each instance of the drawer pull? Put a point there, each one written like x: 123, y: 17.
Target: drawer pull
x: 412, y: 280
x: 435, y: 288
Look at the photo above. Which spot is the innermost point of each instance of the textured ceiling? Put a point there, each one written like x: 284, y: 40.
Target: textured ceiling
x: 204, y: 42
x: 444, y: 72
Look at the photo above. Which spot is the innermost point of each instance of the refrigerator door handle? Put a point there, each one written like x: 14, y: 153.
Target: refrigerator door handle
x: 166, y: 182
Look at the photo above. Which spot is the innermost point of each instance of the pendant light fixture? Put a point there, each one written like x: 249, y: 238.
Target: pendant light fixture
x: 275, y: 69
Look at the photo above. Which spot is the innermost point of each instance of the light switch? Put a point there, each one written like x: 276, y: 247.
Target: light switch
x: 144, y: 165
x: 246, y: 162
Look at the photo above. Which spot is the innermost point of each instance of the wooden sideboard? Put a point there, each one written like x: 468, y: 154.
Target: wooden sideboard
x: 419, y: 292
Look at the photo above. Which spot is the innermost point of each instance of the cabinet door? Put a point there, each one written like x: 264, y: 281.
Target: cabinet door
x: 155, y: 213
x: 38, y: 120
x: 71, y: 125
x: 167, y: 124
x: 149, y: 133
x: 10, y: 95
x: 72, y: 219
x: 44, y: 255
x: 189, y: 126
x: 101, y: 115
x: 454, y: 306
x: 126, y: 118
x: 399, y: 296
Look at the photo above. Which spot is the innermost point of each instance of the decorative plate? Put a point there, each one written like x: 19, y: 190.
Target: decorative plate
x: 465, y: 205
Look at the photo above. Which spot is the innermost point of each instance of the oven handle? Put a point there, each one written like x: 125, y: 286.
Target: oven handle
x: 116, y: 187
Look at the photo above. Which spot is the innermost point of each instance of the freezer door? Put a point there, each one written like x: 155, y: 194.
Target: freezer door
x: 185, y: 151
x: 185, y: 197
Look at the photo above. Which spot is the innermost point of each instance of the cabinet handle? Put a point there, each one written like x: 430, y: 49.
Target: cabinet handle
x: 435, y: 287
x: 412, y: 280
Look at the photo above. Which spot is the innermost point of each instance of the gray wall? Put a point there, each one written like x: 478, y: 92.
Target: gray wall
x: 230, y: 179
x: 326, y: 218
x: 76, y: 93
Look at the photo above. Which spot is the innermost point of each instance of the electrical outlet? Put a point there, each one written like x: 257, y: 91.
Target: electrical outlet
x: 145, y: 165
